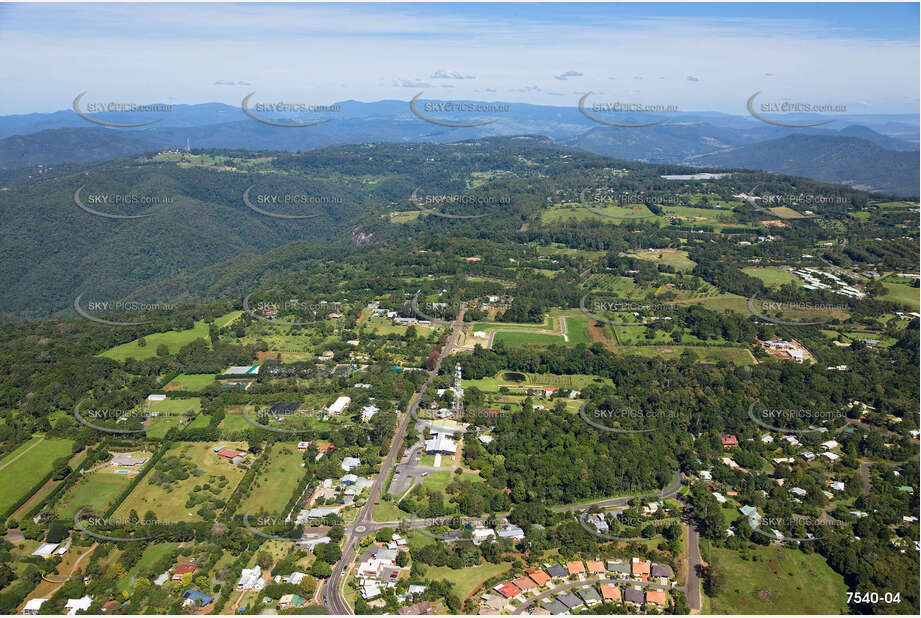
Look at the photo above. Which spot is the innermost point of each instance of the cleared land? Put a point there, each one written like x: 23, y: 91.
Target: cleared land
x: 168, y: 501
x: 772, y: 276
x: 22, y: 469
x: 777, y: 580
x: 95, y: 491
x: 273, y: 487
x: 190, y: 382
x: 465, y: 581
x: 173, y: 339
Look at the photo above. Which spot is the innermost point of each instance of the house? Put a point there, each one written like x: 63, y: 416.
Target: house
x: 656, y: 597
x: 45, y: 549
x: 422, y: 608
x: 291, y: 601
x: 705, y: 475
x: 597, y: 520
x: 32, y: 606
x: 754, y: 519
x: 619, y: 567
x: 368, y: 412
x: 370, y: 589
x: 555, y: 607
x: 719, y: 497
x: 799, y: 491
x: 441, y: 444
x: 338, y: 406
x: 349, y: 479
x: 303, y: 446
x: 837, y: 485
x: 829, y: 445
x: 575, y: 567
x: 730, y: 440
x: 539, y: 577
x: 228, y: 453
x: 156, y: 397
x: 640, y: 568
x: 349, y: 463
x: 791, y: 440
x: 76, y: 605
x: 557, y: 571
x: 831, y: 456
x: 634, y: 596
x: 525, y: 583
x: 508, y: 590
x: 569, y: 600
x: 191, y: 596
x: 309, y: 544
x: 589, y: 596
x: 182, y: 569
x: 594, y: 566
x: 610, y: 592
x: 127, y: 460
x: 481, y: 533
x: 661, y: 570
x: 510, y: 531
x: 808, y: 455
x: 767, y: 438
x: 251, y: 579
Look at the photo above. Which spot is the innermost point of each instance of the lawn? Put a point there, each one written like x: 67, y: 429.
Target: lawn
x: 22, y: 469
x: 672, y: 257
x: 190, y: 382
x: 772, y: 276
x: 152, y: 554
x: 781, y: 581
x: 388, y: 511
x: 276, y: 482
x: 901, y: 293
x: 95, y: 492
x: 577, y: 329
x: 169, y: 502
x: 577, y: 212
x: 465, y: 581
x: 173, y: 340
x: 785, y: 213
x: 518, y: 339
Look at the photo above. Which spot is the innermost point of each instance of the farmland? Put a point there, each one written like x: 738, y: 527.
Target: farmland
x: 273, y: 486
x: 22, y: 469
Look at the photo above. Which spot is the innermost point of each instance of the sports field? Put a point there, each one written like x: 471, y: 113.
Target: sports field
x: 22, y: 469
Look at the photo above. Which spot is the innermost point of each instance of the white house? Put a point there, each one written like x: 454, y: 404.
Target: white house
x: 251, y: 579
x: 829, y: 445
x: 75, y: 605
x: 831, y: 456
x: 338, y: 406
x: 32, y: 606
x: 350, y: 463
x: 368, y: 412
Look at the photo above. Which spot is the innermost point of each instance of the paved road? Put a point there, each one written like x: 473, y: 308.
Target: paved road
x: 669, y: 492
x: 695, y: 563
x: 331, y: 592
x: 587, y: 582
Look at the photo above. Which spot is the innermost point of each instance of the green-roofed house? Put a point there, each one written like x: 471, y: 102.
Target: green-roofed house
x: 590, y: 596
x: 291, y: 601
x: 555, y: 607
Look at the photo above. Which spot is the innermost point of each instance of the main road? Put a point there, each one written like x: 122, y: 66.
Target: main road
x: 331, y: 591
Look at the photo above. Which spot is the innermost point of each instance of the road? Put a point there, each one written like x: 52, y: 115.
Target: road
x: 331, y: 591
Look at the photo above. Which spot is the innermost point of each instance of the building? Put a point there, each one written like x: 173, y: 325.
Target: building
x: 594, y: 566
x: 661, y: 570
x: 182, y: 569
x: 368, y: 412
x: 508, y: 590
x: 291, y: 601
x: 251, y: 579
x: 619, y: 567
x: 339, y: 406
x: 557, y: 571
x: 441, y: 444
x: 525, y: 583
x: 656, y: 597
x: 77, y: 605
x: 481, y: 534
x: 634, y: 596
x: 569, y: 600
x: 510, y: 531
x: 589, y: 596
x: 45, y: 549
x: 640, y: 568
x: 539, y: 577
x: 32, y: 606
x: 609, y: 592
x: 555, y: 607
x: 349, y: 463
x: 127, y: 460
x: 191, y: 596
x: 730, y: 440
x: 228, y: 453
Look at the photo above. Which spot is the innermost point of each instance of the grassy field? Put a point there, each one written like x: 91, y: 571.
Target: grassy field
x: 22, y: 469
x: 152, y: 554
x: 736, y: 356
x: 785, y: 213
x: 273, y: 487
x: 772, y: 276
x: 169, y: 504
x: 577, y: 212
x: 675, y: 258
x: 517, y: 339
x: 902, y: 293
x: 465, y: 581
x: 190, y: 382
x: 173, y: 340
x: 781, y: 581
x: 94, y: 491
x: 172, y: 411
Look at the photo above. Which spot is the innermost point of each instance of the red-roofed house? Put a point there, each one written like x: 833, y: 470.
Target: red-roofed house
x: 594, y: 566
x: 730, y: 440
x: 525, y: 583
x: 326, y: 447
x: 228, y: 453
x: 610, y: 593
x: 508, y: 590
x: 640, y: 567
x: 540, y: 577
x: 575, y: 567
x: 656, y: 597
x: 182, y: 569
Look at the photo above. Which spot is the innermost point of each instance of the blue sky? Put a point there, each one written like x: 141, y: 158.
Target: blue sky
x: 696, y: 56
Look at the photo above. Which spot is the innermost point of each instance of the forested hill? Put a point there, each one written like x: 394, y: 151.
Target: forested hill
x: 195, y: 227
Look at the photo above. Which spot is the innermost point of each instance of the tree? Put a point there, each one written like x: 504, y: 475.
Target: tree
x: 321, y: 569
x: 162, y: 350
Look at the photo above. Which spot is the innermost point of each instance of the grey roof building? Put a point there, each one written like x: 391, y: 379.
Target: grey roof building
x: 632, y: 595
x: 569, y: 600
x: 661, y: 570
x: 590, y: 596
x: 557, y: 570
x: 555, y: 607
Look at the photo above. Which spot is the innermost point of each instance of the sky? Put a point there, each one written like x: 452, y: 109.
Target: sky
x: 698, y: 57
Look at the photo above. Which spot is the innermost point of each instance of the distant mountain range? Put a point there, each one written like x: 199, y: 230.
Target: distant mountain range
x: 868, y: 152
